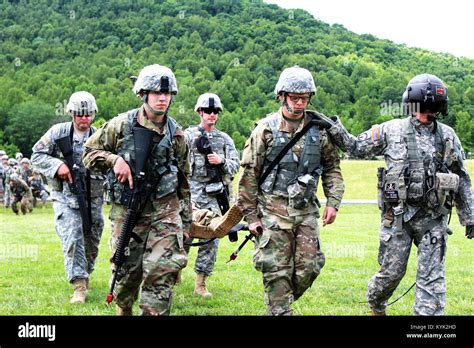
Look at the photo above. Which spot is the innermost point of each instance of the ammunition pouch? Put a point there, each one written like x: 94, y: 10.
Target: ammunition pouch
x: 214, y: 188
x: 301, y: 191
x: 416, y: 185
x: 445, y: 184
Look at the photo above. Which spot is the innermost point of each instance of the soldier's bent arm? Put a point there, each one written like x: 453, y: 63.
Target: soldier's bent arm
x: 231, y: 161
x: 252, y: 162
x: 181, y: 150
x: 44, y: 157
x: 332, y: 180
x: 464, y: 198
x: 369, y: 143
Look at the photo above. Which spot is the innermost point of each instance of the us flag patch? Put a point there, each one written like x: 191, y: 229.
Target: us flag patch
x: 375, y: 133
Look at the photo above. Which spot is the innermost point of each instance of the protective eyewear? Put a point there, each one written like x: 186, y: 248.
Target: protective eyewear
x: 296, y: 98
x: 210, y: 111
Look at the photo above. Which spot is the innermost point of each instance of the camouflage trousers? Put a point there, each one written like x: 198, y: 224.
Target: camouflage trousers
x: 207, y: 253
x: 288, y: 254
x: 152, y: 264
x: 80, y: 252
x: 25, y: 205
x: 394, y: 250
x: 6, y: 196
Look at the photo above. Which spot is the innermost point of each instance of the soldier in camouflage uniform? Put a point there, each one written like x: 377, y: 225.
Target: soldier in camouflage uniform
x: 154, y: 262
x: 425, y: 173
x: 20, y: 193
x: 38, y: 188
x: 25, y: 171
x: 9, y: 169
x: 80, y: 250
x: 205, y: 182
x: 284, y: 208
x: 2, y: 169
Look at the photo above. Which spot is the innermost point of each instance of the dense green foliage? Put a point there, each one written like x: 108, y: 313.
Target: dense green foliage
x: 237, y: 49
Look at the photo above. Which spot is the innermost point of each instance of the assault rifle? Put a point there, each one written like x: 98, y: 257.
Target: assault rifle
x: 135, y: 200
x: 79, y: 186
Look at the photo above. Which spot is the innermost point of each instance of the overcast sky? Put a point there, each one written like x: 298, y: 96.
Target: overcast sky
x: 437, y: 25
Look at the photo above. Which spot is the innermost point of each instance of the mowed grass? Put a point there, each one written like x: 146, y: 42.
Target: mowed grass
x: 32, y: 278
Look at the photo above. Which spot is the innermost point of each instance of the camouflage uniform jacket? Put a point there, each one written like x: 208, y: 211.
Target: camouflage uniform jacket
x: 47, y: 158
x: 258, y: 146
x: 102, y: 148
x: 221, y: 144
x: 390, y: 140
x: 20, y: 189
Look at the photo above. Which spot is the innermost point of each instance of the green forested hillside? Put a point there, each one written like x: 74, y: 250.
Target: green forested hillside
x: 233, y: 48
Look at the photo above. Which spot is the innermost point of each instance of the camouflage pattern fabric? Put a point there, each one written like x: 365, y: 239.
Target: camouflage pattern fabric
x: 20, y: 193
x: 155, y: 263
x: 288, y: 252
x: 388, y: 139
x: 394, y: 251
x: 80, y: 251
x: 223, y: 145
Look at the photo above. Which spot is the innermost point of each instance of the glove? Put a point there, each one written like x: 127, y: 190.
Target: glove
x: 470, y: 231
x: 322, y: 120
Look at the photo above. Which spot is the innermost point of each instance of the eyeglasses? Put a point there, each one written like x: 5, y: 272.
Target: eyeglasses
x: 296, y: 98
x: 210, y: 111
x: 81, y: 116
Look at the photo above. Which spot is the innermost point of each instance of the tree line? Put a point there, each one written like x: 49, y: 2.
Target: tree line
x: 237, y: 49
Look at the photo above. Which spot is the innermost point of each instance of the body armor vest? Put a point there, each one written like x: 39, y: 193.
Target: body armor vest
x: 96, y: 180
x: 199, y: 168
x: 161, y: 167
x: 291, y: 167
x: 423, y: 180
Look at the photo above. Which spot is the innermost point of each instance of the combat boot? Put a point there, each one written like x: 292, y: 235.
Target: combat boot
x: 378, y: 314
x: 119, y: 311
x: 80, y: 291
x: 200, y: 288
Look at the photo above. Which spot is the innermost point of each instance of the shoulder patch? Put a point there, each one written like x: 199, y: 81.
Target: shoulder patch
x: 375, y: 132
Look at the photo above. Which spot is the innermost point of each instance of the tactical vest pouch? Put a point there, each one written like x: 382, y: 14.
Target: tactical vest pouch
x: 416, y: 185
x: 447, y: 182
x: 214, y: 188
x: 267, y: 185
x: 301, y: 192
x: 390, y: 187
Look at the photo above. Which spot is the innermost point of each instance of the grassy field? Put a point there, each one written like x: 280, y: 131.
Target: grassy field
x: 32, y: 279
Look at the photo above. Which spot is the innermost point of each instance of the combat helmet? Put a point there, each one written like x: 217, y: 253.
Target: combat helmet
x: 425, y: 92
